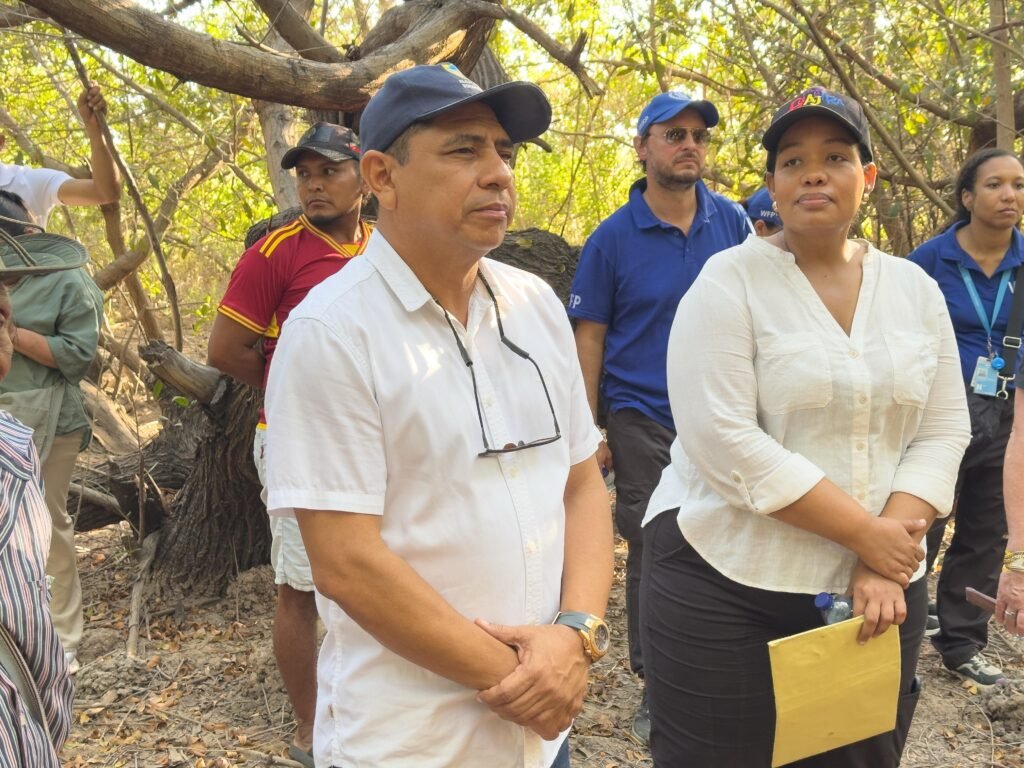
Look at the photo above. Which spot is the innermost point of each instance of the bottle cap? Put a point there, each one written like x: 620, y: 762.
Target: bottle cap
x: 823, y: 601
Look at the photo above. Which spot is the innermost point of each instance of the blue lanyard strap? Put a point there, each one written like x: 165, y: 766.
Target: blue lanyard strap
x: 988, y: 324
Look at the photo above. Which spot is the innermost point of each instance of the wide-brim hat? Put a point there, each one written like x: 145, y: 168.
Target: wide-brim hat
x: 39, y: 254
x: 427, y: 91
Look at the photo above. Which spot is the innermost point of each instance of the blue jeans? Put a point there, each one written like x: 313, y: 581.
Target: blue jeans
x: 562, y: 759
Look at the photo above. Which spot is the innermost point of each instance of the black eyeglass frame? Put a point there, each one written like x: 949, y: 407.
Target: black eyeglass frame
x: 512, y: 447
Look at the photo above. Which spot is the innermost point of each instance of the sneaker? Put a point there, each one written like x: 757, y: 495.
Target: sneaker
x: 72, y: 661
x: 642, y: 722
x: 981, y: 672
x: 931, y: 626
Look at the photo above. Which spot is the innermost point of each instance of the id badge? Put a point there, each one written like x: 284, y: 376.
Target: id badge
x: 985, y: 380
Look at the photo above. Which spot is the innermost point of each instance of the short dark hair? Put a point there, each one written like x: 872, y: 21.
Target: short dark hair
x: 399, y: 148
x: 968, y: 178
x: 15, y: 218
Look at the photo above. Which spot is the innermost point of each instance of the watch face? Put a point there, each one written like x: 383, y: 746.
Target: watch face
x: 602, y: 638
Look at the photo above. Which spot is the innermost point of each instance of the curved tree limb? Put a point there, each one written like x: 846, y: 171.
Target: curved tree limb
x: 156, y: 42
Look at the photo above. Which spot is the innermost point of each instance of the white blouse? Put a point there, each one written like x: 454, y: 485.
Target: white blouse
x: 770, y: 395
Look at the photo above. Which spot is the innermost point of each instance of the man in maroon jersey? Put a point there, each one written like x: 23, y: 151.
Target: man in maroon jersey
x: 270, y: 280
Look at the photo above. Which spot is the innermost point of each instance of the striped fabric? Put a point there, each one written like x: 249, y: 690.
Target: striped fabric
x: 24, y: 605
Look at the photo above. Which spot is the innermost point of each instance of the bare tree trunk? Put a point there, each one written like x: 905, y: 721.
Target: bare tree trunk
x: 1005, y: 126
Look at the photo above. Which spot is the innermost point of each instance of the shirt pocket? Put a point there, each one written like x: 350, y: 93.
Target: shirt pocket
x: 793, y: 373
x: 915, y: 359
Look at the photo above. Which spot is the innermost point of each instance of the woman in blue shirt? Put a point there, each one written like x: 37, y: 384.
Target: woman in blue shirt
x: 975, y: 263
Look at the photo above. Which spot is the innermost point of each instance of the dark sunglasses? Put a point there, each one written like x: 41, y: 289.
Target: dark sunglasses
x: 510, y: 447
x: 673, y: 136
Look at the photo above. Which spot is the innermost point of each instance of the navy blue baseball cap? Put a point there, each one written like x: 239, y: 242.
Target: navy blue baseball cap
x: 759, y: 208
x: 426, y: 91
x: 819, y: 101
x: 665, y: 106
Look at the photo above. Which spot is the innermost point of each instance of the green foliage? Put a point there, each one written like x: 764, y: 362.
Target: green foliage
x: 747, y: 56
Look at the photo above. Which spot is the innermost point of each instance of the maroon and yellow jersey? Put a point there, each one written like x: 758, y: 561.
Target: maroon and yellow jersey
x: 277, y: 272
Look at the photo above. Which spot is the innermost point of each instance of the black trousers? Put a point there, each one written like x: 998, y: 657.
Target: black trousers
x: 640, y: 451
x: 709, y: 682
x: 975, y: 554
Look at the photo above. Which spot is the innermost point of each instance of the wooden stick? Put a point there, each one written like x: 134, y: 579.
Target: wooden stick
x: 133, y: 192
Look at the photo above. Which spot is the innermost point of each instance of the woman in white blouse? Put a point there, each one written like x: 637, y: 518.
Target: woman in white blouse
x: 821, y: 417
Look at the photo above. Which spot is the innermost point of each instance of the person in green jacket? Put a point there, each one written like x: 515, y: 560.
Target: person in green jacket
x: 56, y: 331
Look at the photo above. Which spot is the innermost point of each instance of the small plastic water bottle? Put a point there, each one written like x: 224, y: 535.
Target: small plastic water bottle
x: 834, y: 608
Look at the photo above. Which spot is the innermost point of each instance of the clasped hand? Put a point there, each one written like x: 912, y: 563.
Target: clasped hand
x: 545, y: 691
x: 886, y: 546
x: 881, y: 601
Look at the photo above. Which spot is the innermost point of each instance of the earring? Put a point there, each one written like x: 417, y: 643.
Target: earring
x: 775, y: 206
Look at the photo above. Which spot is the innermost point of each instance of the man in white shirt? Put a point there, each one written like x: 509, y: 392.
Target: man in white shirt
x: 443, y: 476
x: 43, y: 189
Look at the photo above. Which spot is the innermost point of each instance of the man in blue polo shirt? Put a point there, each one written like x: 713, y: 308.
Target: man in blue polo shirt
x: 632, y: 272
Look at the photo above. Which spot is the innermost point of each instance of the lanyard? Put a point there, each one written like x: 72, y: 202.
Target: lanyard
x: 976, y: 300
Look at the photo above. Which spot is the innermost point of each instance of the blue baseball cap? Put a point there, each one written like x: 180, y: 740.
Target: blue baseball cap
x: 665, y: 106
x: 429, y: 90
x: 759, y: 208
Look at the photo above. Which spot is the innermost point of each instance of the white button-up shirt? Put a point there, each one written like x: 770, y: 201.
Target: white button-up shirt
x: 371, y: 410
x: 770, y: 395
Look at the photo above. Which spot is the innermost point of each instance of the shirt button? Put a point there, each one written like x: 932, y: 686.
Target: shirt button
x: 513, y: 472
x: 861, y: 446
x: 737, y: 477
x: 854, y: 353
x: 862, y: 399
x: 531, y: 547
x: 488, y: 401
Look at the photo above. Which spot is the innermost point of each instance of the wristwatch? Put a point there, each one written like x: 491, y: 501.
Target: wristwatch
x: 593, y: 630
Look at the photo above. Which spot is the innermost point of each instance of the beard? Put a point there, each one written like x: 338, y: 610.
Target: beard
x: 667, y: 178
x: 324, y: 219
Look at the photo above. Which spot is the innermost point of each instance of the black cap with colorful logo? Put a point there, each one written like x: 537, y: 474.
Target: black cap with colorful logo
x: 819, y: 101
x: 335, y: 142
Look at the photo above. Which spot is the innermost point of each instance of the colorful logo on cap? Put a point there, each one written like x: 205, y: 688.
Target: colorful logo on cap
x: 816, y: 97
x: 468, y: 84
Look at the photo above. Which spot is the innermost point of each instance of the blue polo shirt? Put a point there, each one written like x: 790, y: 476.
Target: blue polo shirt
x: 632, y: 272
x: 941, y: 257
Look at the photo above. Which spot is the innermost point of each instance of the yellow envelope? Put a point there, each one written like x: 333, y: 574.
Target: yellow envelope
x: 830, y: 691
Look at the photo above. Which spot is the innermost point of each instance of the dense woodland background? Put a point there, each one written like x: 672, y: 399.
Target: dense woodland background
x: 205, y: 95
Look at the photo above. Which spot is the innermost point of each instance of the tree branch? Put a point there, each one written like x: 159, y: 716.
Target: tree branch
x: 208, y: 139
x: 869, y: 113
x: 127, y: 262
x: 16, y: 15
x: 156, y: 42
x: 307, y: 42
x: 570, y: 58
x: 899, y: 87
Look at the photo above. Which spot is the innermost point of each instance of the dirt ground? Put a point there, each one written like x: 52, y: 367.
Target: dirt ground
x: 205, y: 691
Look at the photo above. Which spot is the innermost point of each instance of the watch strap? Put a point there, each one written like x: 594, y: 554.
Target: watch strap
x: 574, y: 619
